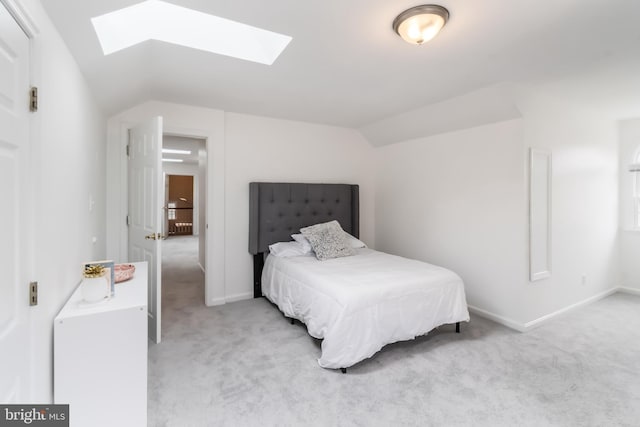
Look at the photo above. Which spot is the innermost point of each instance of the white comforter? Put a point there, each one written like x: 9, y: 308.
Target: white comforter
x: 360, y: 303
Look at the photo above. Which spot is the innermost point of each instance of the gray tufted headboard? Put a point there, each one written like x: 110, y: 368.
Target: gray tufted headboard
x: 278, y: 210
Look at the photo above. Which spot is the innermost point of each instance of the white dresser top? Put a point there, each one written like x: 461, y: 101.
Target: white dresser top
x: 129, y: 294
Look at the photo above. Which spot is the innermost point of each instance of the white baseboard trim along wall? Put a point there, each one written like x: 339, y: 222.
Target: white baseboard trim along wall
x: 496, y: 318
x: 630, y: 291
x: 524, y: 327
x: 239, y: 297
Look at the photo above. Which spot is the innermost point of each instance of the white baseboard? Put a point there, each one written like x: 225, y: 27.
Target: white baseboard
x: 230, y: 298
x: 496, y: 318
x: 216, y: 301
x: 239, y: 297
x: 537, y: 322
x: 631, y: 291
x: 524, y: 327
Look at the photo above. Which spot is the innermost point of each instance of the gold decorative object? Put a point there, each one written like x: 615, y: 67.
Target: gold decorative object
x: 93, y: 271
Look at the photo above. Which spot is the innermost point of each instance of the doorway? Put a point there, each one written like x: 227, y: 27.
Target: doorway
x: 184, y: 168
x: 179, y: 203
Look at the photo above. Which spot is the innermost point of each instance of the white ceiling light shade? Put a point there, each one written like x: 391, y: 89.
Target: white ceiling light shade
x: 158, y: 20
x: 420, y: 24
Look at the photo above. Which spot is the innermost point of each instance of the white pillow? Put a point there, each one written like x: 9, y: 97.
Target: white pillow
x: 287, y: 249
x: 328, y: 240
x: 303, y: 241
x: 355, y: 242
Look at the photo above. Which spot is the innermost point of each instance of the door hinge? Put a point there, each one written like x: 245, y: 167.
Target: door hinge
x: 128, y: 220
x: 33, y: 293
x: 33, y: 99
x: 127, y: 150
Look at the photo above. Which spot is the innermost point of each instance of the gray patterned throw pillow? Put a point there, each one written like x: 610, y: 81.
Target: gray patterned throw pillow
x: 328, y: 240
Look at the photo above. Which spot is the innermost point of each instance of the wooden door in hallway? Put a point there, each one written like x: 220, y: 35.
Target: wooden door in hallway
x: 15, y: 193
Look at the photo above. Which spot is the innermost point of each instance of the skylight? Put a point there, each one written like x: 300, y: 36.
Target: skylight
x: 158, y: 20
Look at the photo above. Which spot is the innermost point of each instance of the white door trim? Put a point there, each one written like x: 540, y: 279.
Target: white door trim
x: 22, y: 17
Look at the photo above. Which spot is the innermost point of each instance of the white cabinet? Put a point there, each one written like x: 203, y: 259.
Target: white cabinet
x: 100, y: 356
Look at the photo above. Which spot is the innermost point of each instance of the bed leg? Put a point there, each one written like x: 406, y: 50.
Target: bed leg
x: 457, y: 327
x: 344, y: 370
x: 258, y: 264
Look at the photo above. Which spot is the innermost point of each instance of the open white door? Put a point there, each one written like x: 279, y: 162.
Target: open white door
x: 15, y: 193
x: 146, y: 197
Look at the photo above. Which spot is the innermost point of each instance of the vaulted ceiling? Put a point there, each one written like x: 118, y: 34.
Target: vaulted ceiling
x: 345, y: 66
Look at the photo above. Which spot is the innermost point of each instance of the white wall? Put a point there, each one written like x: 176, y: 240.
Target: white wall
x: 584, y: 146
x: 264, y: 149
x: 460, y: 200
x: 629, y: 135
x: 68, y: 154
x: 188, y: 169
x: 241, y: 149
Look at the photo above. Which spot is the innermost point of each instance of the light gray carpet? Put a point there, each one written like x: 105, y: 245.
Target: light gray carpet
x: 243, y: 364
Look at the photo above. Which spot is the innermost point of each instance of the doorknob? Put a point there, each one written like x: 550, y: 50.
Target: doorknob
x: 154, y: 236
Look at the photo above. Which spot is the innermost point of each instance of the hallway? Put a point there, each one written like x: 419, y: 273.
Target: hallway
x: 182, y: 279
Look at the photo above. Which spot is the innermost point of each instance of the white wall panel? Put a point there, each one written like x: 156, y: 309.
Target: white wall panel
x: 629, y: 134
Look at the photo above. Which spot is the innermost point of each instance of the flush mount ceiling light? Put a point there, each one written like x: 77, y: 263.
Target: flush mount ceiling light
x: 420, y: 24
x: 158, y: 20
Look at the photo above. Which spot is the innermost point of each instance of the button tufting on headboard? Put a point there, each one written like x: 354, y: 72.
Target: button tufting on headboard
x: 276, y: 210
x: 279, y: 209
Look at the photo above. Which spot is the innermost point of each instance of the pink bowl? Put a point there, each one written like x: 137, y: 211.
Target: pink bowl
x: 124, y: 272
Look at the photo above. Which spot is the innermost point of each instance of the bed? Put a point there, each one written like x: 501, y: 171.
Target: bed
x: 356, y: 304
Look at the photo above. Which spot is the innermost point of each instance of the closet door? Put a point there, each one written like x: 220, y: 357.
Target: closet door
x: 15, y: 213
